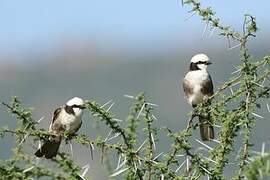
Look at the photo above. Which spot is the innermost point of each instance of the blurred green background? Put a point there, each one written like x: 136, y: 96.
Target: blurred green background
x: 51, y: 51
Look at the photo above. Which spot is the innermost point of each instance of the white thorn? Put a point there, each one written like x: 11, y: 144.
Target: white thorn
x: 201, y: 149
x: 180, y: 166
x: 141, y: 145
x: 37, y: 160
x: 135, y: 166
x: 157, y: 156
x: 154, y: 117
x: 187, y: 160
x: 140, y: 163
x: 255, y: 77
x: 71, y: 149
x: 210, y: 159
x: 263, y: 81
x: 208, y: 172
x: 153, y: 141
x: 180, y: 155
x: 152, y: 104
x: 257, y: 115
x: 24, y: 138
x: 214, y: 140
x: 86, y: 168
x: 208, y: 147
x: 143, y: 114
x: 40, y: 119
x: 263, y: 149
x: 105, y: 104
x: 212, y: 32
x: 129, y: 96
x: 140, y: 111
x: 81, y: 177
x: 154, y: 162
x: 231, y: 48
x: 193, y: 174
x: 119, y: 160
x: 119, y: 172
x: 268, y: 108
x: 239, y: 124
x: 91, y: 148
x: 237, y: 70
x: 110, y: 107
x: 28, y: 169
x: 162, y: 177
x: 108, y: 136
x: 218, y: 126
x: 122, y: 164
x: 190, y: 15
x: 205, y: 28
x: 115, y: 136
x: 235, y: 84
x: 117, y: 120
x: 231, y: 90
x: 258, y: 84
x: 39, y: 144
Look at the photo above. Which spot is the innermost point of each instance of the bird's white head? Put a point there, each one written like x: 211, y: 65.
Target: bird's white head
x: 77, y: 105
x: 200, y: 61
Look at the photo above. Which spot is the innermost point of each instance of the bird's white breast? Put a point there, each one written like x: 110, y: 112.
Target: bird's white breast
x: 195, y: 80
x: 70, y: 121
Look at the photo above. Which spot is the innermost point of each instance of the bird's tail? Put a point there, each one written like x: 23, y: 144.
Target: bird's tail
x: 206, y: 129
x: 50, y: 148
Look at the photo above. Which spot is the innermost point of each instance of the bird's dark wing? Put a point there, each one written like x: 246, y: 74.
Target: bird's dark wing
x: 207, y: 87
x: 56, y: 125
x: 187, y: 88
x: 56, y: 114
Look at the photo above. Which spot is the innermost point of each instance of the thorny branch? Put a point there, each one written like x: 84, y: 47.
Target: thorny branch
x: 139, y: 161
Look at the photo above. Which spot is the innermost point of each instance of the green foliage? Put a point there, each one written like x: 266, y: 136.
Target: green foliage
x: 142, y: 160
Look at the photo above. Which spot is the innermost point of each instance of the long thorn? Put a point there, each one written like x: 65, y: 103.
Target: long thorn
x: 180, y: 166
x: 71, y: 149
x: 105, y: 104
x: 140, y: 111
x: 208, y: 147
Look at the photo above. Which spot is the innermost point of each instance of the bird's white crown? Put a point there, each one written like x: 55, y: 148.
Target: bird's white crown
x: 200, y: 57
x: 75, y: 101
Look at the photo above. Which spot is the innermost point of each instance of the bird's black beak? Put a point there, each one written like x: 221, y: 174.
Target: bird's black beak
x: 83, y: 107
x: 209, y: 62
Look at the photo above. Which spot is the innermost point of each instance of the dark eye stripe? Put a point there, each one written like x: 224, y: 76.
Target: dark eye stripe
x: 78, y: 106
x: 201, y: 62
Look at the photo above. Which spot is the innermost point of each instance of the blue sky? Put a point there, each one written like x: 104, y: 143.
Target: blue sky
x: 31, y: 25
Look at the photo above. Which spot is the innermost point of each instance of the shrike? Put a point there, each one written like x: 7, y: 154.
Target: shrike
x: 66, y: 118
x: 197, y: 86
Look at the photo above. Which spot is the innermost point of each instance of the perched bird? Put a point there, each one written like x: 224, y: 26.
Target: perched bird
x: 197, y: 86
x: 66, y: 118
